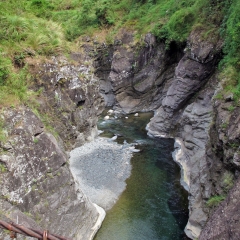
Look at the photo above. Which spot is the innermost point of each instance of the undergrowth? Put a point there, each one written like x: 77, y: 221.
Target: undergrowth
x: 231, y: 61
x: 215, y: 200
x: 30, y: 28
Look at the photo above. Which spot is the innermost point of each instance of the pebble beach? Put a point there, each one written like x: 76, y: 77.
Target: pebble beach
x: 101, y: 168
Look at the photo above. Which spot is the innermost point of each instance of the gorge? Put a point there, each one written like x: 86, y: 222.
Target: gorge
x: 180, y: 83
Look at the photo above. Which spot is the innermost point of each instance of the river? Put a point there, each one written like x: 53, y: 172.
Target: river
x: 154, y: 205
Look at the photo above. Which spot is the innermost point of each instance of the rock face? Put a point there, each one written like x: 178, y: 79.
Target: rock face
x: 191, y: 73
x: 225, y: 134
x: 181, y: 86
x: 133, y: 77
x: 224, y: 222
x: 37, y: 187
x: 70, y: 98
x: 194, y: 125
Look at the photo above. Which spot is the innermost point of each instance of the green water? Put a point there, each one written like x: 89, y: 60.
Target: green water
x: 154, y: 205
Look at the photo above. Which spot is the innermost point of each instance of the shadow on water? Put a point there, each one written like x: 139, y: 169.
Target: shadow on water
x: 154, y: 205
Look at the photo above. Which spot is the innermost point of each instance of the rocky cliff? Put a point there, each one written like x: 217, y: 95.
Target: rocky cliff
x: 135, y: 76
x: 38, y: 189
x: 181, y: 84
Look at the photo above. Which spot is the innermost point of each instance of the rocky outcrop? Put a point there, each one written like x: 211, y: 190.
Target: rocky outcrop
x: 187, y: 112
x: 134, y: 77
x: 224, y: 222
x: 69, y: 99
x: 191, y: 73
x: 181, y: 86
x: 192, y: 155
x: 225, y: 141
x: 38, y: 189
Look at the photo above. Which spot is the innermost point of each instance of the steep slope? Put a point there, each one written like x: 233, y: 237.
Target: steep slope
x: 38, y: 189
x: 182, y: 86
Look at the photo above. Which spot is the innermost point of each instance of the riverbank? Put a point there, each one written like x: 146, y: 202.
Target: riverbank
x: 100, y: 169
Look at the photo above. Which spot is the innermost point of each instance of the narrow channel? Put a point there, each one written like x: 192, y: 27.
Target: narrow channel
x: 154, y: 205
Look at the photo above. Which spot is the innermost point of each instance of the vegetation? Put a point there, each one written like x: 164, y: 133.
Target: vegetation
x: 215, y: 200
x: 45, y: 27
x: 231, y: 61
x: 3, y: 168
x: 228, y: 181
x: 2, y: 134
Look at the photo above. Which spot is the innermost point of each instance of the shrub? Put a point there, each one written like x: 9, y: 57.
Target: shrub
x: 228, y: 181
x: 179, y: 26
x: 3, y: 168
x: 231, y: 61
x: 4, y: 69
x: 215, y: 200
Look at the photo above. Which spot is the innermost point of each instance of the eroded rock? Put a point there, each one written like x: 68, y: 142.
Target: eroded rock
x: 37, y: 181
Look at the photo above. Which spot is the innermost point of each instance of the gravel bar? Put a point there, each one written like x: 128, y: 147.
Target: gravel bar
x: 100, y: 168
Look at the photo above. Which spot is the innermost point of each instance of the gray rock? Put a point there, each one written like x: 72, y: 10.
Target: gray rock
x: 224, y: 222
x: 38, y: 182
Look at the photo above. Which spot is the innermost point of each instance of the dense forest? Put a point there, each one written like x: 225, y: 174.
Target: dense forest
x: 41, y: 28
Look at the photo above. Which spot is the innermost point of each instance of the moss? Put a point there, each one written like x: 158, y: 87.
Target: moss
x: 3, y: 168
x: 227, y: 181
x: 215, y: 200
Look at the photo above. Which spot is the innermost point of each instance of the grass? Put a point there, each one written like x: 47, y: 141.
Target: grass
x: 3, y: 135
x: 3, y: 168
x: 29, y: 28
x: 228, y: 181
x: 215, y: 200
x: 22, y: 35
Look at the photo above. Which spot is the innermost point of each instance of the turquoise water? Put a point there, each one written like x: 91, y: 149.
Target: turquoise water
x: 154, y: 205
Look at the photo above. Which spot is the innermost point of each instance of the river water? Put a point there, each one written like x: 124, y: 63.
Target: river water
x: 154, y: 204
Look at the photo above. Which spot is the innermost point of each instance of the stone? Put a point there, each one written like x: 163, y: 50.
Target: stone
x: 110, y: 111
x: 39, y: 182
x: 224, y: 222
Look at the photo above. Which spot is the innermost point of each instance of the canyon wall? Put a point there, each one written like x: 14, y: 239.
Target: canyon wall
x: 181, y: 84
x: 37, y: 187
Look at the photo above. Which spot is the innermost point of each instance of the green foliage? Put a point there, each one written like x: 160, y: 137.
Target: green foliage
x: 4, y: 69
x: 178, y: 27
x: 3, y: 168
x: 215, y: 200
x: 2, y: 133
x: 224, y: 125
x: 231, y: 108
x: 231, y: 62
x: 44, y: 27
x: 14, y: 87
x: 228, y: 181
